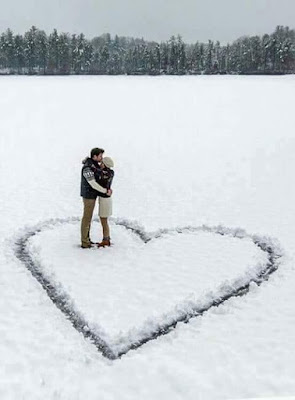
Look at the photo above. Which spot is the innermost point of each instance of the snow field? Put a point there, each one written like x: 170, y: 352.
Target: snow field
x: 188, y: 151
x: 127, y: 289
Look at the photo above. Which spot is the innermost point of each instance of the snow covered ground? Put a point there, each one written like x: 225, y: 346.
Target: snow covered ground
x: 188, y: 151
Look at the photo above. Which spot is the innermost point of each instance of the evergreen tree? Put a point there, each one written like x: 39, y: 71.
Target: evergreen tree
x: 19, y: 53
x: 156, y: 65
x: 256, y: 53
x: 53, y: 52
x: 202, y: 57
x: 10, y: 49
x: 88, y: 57
x: 172, y: 60
x: 164, y: 58
x: 114, y: 66
x: 217, y: 57
x: 74, y: 54
x: 265, y: 52
x: 128, y: 62
x: 181, y: 56
x: 104, y: 59
x: 30, y: 49
x: 209, y: 57
x: 64, y: 47
x: 286, y: 55
x: 7, y: 48
x: 80, y: 50
x: 42, y: 50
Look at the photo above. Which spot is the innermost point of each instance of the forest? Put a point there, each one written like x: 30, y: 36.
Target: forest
x: 37, y: 53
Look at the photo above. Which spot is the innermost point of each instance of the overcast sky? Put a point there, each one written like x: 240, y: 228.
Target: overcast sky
x: 223, y: 20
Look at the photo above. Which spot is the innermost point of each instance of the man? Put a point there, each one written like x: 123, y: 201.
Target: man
x: 89, y: 191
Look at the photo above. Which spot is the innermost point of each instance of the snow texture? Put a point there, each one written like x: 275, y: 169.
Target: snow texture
x: 189, y: 152
x: 121, y: 292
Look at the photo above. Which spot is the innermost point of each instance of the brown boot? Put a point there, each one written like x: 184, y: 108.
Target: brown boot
x: 105, y: 243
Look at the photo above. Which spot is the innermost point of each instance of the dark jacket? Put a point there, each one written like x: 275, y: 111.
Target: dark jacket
x: 104, y: 177
x: 90, y: 169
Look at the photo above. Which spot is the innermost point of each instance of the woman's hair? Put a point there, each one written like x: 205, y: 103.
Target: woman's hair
x: 96, y: 152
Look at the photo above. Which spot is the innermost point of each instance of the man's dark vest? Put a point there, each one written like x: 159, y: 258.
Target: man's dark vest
x: 86, y: 190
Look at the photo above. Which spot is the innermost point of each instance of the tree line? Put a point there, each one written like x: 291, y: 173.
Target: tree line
x: 35, y: 52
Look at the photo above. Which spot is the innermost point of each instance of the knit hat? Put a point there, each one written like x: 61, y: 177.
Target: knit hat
x: 108, y: 162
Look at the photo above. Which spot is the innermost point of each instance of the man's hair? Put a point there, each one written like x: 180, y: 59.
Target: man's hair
x: 96, y: 152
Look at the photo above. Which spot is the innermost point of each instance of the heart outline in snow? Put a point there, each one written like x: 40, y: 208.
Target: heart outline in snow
x: 64, y: 303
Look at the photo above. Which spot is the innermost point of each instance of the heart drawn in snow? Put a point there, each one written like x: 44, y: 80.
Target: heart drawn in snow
x: 140, y: 288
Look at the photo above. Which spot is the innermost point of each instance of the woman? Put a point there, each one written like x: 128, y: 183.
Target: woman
x: 104, y: 177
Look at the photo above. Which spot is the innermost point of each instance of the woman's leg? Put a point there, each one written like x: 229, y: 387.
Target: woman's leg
x: 105, y: 211
x: 105, y: 228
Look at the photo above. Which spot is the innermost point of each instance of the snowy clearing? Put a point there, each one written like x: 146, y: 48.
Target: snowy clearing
x: 188, y: 151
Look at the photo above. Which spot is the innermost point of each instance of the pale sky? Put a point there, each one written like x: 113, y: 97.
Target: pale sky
x: 223, y: 20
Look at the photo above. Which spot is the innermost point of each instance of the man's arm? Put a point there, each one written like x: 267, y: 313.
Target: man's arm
x: 89, y: 176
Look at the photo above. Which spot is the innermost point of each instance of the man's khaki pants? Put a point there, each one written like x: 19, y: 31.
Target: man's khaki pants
x: 89, y: 205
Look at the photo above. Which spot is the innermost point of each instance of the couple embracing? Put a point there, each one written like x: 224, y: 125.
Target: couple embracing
x: 96, y: 180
